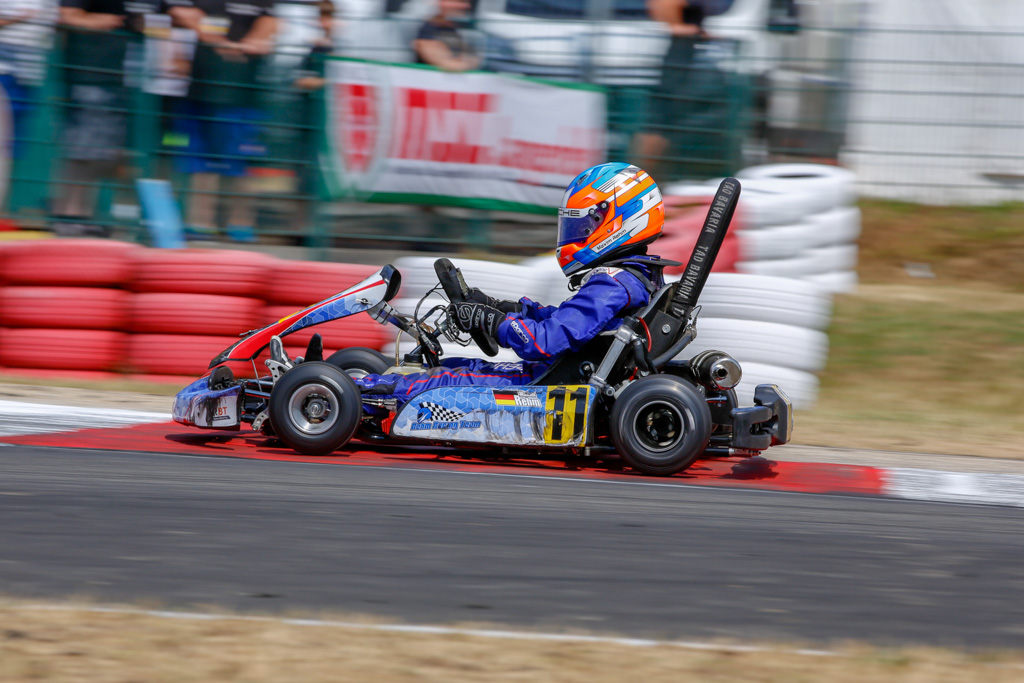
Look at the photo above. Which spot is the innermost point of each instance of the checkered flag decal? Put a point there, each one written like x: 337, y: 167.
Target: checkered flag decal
x: 433, y: 412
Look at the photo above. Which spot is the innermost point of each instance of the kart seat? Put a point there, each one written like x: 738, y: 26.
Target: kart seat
x: 660, y: 327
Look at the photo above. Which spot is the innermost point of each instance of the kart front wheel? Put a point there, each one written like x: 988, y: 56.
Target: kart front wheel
x: 660, y: 425
x: 315, y: 408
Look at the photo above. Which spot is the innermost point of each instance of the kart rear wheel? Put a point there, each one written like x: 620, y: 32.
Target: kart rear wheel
x: 360, y: 361
x: 660, y: 425
x: 315, y: 408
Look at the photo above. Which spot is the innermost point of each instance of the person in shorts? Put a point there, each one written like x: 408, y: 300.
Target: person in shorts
x: 26, y: 35
x: 217, y: 126
x: 97, y: 37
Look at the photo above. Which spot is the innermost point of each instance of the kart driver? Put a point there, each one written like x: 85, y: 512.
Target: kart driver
x: 609, y: 214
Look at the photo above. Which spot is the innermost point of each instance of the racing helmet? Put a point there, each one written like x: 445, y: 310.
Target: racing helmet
x: 609, y: 210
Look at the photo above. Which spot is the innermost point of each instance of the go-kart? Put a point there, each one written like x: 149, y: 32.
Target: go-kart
x: 622, y: 397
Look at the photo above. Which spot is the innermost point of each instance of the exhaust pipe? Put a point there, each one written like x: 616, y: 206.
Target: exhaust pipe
x: 716, y: 370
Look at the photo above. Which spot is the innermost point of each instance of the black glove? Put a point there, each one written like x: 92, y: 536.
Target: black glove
x: 502, y: 305
x: 470, y: 316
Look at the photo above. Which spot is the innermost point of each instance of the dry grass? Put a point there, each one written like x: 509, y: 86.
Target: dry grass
x: 89, y: 647
x: 925, y: 367
x: 974, y: 246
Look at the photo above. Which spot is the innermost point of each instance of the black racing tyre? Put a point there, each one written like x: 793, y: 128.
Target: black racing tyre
x: 315, y: 408
x: 660, y: 425
x: 360, y: 361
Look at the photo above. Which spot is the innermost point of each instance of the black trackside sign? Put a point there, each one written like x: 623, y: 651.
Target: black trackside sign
x: 708, y: 243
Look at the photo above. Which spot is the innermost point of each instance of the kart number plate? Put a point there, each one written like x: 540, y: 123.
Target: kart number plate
x: 566, y: 410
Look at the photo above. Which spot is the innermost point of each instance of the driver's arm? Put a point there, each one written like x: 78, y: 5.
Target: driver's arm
x: 575, y: 322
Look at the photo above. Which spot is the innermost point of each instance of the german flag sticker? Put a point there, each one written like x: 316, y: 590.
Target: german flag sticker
x: 505, y: 398
x: 511, y: 399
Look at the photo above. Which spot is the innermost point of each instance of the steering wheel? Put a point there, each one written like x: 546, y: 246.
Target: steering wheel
x: 455, y: 288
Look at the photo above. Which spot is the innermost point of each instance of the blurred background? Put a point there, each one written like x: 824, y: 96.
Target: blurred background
x: 266, y: 131
x: 879, y: 144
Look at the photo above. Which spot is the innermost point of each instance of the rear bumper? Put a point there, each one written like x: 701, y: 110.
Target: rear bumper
x: 769, y: 422
x: 198, y: 406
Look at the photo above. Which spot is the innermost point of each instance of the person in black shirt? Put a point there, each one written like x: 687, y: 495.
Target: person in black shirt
x: 218, y: 123
x: 97, y: 36
x: 689, y: 105
x: 440, y: 43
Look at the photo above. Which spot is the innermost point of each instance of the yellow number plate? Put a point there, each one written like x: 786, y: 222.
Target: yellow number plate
x: 566, y: 415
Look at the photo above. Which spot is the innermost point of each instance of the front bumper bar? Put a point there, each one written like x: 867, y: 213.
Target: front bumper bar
x: 769, y: 422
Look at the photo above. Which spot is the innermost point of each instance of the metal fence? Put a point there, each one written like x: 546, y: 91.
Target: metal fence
x: 931, y: 116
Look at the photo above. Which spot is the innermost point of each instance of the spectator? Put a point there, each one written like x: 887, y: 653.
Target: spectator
x: 683, y: 21
x: 311, y: 72
x: 218, y: 124
x: 440, y: 43
x: 98, y: 35
x: 691, y: 112
x: 26, y: 32
x: 310, y: 80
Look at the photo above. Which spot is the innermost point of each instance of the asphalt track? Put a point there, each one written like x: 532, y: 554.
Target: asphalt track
x: 628, y: 556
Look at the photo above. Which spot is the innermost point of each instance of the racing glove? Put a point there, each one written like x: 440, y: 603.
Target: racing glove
x: 471, y: 316
x: 503, y: 305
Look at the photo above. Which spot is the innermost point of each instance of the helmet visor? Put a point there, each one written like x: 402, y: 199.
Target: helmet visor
x: 576, y: 225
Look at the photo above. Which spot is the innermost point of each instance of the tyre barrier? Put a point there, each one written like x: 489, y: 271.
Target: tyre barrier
x: 70, y: 263
x: 200, y: 314
x: 836, y: 282
x: 801, y: 387
x: 201, y: 271
x: 795, y: 267
x: 776, y: 242
x: 174, y: 354
x: 86, y: 308
x: 76, y: 305
x: 303, y: 283
x: 788, y: 213
x: 753, y: 341
x: 62, y: 349
x: 835, y: 226
x: 820, y: 187
x: 779, y: 300
x: 188, y: 305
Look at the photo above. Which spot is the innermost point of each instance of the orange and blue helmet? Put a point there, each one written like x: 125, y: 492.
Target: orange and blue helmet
x: 609, y: 210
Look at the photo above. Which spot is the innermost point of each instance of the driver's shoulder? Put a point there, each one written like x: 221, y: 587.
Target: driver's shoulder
x: 620, y: 278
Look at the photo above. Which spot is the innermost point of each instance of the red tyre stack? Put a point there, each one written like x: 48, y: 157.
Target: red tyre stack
x: 190, y: 305
x: 62, y: 306
x: 294, y: 285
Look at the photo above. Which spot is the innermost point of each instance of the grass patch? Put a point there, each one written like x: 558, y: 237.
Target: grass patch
x: 963, y: 244
x: 930, y: 368
x: 91, y: 647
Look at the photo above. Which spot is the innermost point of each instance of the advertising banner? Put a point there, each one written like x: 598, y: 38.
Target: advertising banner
x: 408, y: 133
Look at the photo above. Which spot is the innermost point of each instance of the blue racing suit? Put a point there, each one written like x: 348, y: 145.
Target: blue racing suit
x: 538, y: 334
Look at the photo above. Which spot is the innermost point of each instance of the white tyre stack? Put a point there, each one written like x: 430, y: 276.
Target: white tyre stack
x: 799, y: 222
x: 773, y: 326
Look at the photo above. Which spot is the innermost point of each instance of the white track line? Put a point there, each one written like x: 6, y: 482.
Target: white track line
x: 439, y: 630
x: 954, y: 487
x: 17, y: 418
